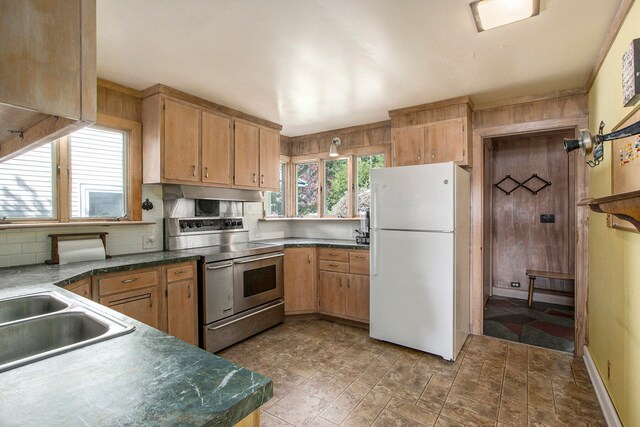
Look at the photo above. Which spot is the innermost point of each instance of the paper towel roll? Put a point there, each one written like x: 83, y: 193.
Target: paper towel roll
x: 80, y: 250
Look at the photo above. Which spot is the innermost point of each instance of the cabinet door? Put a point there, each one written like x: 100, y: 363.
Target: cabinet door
x: 247, y: 147
x: 269, y: 160
x: 81, y: 287
x: 182, y: 311
x: 181, y: 142
x: 332, y: 293
x: 408, y: 146
x: 300, y: 292
x: 446, y: 141
x: 357, y: 297
x: 216, y: 149
x: 140, y: 304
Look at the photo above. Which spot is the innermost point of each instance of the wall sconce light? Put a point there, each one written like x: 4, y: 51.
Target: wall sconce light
x: 335, y: 143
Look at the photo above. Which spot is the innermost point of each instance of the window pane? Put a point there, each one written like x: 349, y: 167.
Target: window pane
x: 275, y: 200
x: 363, y: 182
x: 307, y: 189
x: 26, y: 185
x: 97, y: 173
x: 336, y: 187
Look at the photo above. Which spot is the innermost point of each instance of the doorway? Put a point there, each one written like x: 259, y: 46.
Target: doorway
x: 529, y: 210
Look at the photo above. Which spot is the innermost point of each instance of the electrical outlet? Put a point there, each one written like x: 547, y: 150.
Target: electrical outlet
x: 515, y: 284
x: 148, y: 242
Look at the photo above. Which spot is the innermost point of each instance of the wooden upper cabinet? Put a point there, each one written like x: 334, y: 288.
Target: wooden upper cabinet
x: 300, y: 291
x: 408, y: 146
x: 48, y: 71
x: 181, y: 142
x: 216, y: 149
x: 247, y: 155
x: 447, y: 141
x: 269, y: 160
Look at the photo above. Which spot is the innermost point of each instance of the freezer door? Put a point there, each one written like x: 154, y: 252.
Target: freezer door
x: 413, y: 197
x: 412, y: 290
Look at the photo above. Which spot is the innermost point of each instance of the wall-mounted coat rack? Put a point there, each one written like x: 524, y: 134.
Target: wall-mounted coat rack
x: 542, y: 184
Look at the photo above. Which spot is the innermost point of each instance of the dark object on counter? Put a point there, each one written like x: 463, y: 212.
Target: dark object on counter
x: 362, y: 238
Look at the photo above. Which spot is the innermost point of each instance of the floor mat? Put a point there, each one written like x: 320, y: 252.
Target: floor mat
x: 544, y: 325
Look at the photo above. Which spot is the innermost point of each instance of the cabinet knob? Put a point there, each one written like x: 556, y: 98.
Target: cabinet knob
x: 309, y: 260
x: 189, y: 291
x: 206, y: 172
x: 130, y: 280
x: 254, y: 177
x: 433, y: 154
x: 194, y: 170
x: 262, y: 179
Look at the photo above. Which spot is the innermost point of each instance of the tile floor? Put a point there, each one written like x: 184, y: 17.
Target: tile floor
x: 328, y: 374
x: 542, y: 324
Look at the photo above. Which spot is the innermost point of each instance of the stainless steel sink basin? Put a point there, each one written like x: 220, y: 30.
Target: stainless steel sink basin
x: 43, y: 335
x: 29, y: 306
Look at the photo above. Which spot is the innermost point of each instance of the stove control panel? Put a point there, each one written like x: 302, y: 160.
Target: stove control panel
x: 211, y: 224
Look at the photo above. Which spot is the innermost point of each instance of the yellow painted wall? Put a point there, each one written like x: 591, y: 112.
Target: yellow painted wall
x: 614, y: 255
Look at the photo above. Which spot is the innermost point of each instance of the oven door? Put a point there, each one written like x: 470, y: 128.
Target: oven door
x: 257, y: 280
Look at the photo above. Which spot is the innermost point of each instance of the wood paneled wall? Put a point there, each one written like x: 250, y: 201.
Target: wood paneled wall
x: 352, y: 137
x: 519, y: 240
x: 119, y: 101
x: 285, y: 145
x: 432, y: 112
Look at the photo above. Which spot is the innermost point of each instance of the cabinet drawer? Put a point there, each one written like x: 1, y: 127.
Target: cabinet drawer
x: 124, y: 282
x: 359, y: 262
x: 333, y: 254
x: 337, y: 266
x: 179, y: 272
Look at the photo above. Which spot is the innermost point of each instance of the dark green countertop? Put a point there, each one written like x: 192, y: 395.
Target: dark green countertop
x: 298, y: 242
x: 143, y: 378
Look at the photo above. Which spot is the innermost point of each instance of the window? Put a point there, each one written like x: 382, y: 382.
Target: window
x: 336, y: 188
x: 27, y: 185
x: 307, y: 189
x: 364, y: 164
x: 97, y: 173
x: 89, y: 174
x: 276, y: 199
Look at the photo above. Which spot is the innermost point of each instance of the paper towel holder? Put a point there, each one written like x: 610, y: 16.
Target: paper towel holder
x: 55, y: 238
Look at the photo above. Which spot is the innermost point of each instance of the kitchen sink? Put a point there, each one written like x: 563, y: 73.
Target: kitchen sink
x: 29, y: 306
x: 56, y: 325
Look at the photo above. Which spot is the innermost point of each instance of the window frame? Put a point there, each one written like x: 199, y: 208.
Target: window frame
x: 62, y: 183
x: 350, y: 182
x: 351, y: 155
x: 354, y: 199
x: 285, y: 162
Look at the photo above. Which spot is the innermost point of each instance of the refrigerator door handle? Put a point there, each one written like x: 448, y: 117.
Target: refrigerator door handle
x: 374, y: 231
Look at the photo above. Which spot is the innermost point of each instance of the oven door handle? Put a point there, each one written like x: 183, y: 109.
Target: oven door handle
x: 281, y: 254
x: 220, y: 266
x: 215, y: 328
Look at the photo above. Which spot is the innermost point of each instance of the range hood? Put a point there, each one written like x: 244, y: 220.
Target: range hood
x: 172, y: 192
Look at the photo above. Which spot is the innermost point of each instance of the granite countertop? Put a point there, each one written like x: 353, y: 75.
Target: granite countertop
x: 297, y: 242
x: 143, y: 378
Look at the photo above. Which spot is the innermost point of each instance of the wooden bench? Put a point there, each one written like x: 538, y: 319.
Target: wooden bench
x: 532, y: 274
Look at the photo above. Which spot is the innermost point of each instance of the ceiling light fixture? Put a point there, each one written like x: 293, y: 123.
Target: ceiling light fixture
x: 490, y: 14
x: 333, y: 149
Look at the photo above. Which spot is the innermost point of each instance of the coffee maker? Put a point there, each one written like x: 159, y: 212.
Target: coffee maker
x: 362, y: 237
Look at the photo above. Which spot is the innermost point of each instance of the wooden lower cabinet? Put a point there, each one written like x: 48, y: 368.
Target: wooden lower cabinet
x: 182, y: 302
x: 141, y: 304
x: 300, y: 288
x: 357, y: 297
x: 182, y: 311
x: 82, y: 287
x: 332, y: 293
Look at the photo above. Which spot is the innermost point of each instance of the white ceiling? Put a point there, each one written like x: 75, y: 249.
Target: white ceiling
x: 314, y: 65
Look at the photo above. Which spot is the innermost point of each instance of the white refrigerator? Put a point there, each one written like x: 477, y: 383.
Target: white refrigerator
x: 420, y: 257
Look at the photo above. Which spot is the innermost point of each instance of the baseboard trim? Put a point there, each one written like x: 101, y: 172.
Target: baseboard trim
x: 524, y: 295
x: 609, y: 411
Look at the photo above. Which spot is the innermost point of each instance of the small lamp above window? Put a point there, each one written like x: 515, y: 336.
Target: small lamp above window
x: 490, y: 14
x: 333, y: 150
